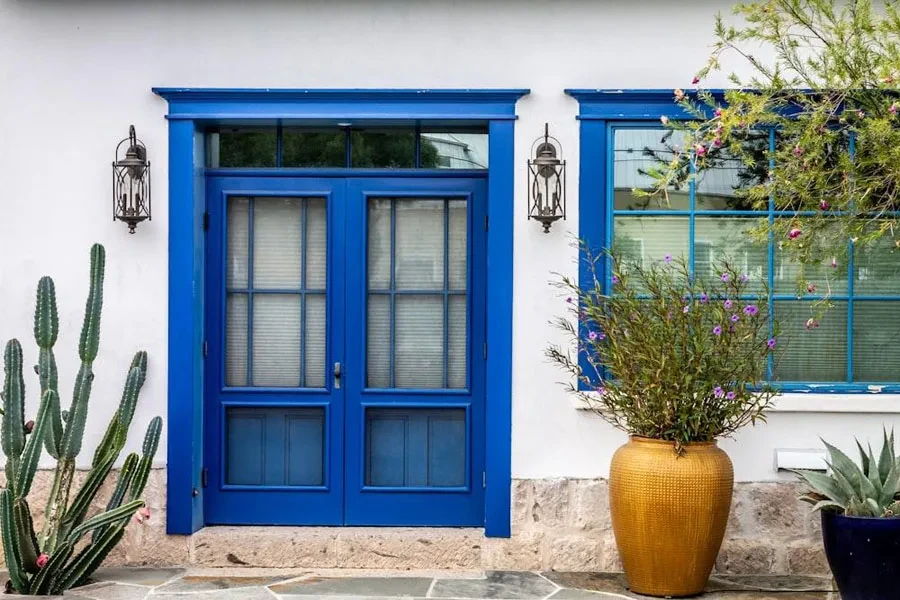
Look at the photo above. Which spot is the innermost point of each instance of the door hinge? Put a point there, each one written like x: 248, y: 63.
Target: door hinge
x: 484, y: 350
x: 484, y: 480
x: 206, y: 221
x: 485, y: 222
x: 204, y: 477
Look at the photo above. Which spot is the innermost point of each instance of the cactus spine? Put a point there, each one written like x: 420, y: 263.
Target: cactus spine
x: 62, y: 432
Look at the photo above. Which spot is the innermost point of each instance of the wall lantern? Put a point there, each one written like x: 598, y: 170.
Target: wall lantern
x: 546, y: 181
x: 131, y: 182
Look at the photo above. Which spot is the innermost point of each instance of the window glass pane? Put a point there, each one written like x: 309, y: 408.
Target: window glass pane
x: 725, y: 173
x: 876, y: 341
x: 649, y: 239
x: 242, y: 148
x: 305, y: 148
x: 877, y: 267
x: 277, y: 243
x: 276, y: 340
x: 416, y: 447
x: 419, y: 342
x: 727, y: 238
x: 638, y: 151
x: 236, y: 340
x: 379, y: 149
x: 817, y: 354
x: 454, y: 150
x: 238, y: 226
x: 419, y: 248
x: 275, y: 446
x: 378, y: 341
x: 823, y: 276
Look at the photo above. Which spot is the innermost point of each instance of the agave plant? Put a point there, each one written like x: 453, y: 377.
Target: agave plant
x: 869, y: 489
x: 49, y: 563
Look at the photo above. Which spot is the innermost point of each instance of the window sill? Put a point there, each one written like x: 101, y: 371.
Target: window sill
x: 794, y: 402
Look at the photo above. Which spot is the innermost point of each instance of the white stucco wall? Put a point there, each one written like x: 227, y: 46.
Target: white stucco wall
x: 74, y: 75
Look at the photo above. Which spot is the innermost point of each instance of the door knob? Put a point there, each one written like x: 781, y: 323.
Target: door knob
x: 337, y: 375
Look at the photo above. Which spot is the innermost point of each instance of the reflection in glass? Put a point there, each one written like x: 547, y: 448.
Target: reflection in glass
x: 637, y: 151
x: 645, y: 240
x: 721, y: 183
x: 454, y: 149
x: 876, y: 267
x: 718, y: 239
x: 387, y: 149
x: 305, y: 148
x: 242, y: 148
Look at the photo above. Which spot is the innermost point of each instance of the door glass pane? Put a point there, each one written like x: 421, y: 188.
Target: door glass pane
x: 415, y: 447
x: 277, y: 243
x: 276, y: 340
x: 275, y: 446
x: 417, y: 334
x: 419, y: 247
x: 236, y: 340
x: 419, y: 344
x: 285, y: 305
x: 237, y: 253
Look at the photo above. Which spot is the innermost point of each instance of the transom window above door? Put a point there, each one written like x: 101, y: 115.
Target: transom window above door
x: 283, y: 146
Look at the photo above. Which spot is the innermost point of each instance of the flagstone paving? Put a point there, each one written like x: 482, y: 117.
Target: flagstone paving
x: 269, y: 584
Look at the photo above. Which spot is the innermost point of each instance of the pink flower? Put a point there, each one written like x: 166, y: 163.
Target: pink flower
x: 771, y: 343
x: 29, y: 426
x: 824, y: 205
x: 664, y: 120
x: 798, y: 151
x: 811, y: 288
x: 667, y: 258
x: 592, y: 336
x: 811, y: 323
x: 718, y: 112
x: 860, y: 114
x: 42, y: 560
x: 679, y: 94
x: 695, y: 80
x: 717, y: 142
x: 794, y: 233
x: 142, y: 514
x: 686, y: 309
x: 834, y: 263
x: 145, y: 512
x: 569, y: 300
x: 893, y: 109
x: 700, y: 149
x: 601, y: 390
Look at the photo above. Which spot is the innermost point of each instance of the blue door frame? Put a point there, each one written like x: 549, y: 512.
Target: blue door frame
x: 193, y: 109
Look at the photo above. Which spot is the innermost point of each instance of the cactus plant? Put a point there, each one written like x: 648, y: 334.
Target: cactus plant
x: 64, y: 555
x: 870, y: 490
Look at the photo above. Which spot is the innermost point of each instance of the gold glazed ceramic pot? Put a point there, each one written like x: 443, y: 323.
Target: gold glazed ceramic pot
x: 669, y: 513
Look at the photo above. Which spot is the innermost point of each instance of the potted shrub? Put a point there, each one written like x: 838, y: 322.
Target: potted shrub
x: 860, y: 508
x: 673, y: 361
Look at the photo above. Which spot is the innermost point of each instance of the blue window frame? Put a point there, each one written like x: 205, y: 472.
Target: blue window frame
x: 191, y: 111
x: 621, y: 133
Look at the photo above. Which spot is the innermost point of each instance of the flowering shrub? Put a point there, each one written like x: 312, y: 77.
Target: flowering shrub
x: 825, y: 76
x: 670, y: 357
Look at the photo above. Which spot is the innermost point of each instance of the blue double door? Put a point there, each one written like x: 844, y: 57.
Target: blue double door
x: 345, y: 351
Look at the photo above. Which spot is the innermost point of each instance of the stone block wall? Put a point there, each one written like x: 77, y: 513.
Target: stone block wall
x: 558, y: 524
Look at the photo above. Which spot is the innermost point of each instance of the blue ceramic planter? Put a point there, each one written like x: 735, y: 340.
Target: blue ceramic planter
x: 864, y: 556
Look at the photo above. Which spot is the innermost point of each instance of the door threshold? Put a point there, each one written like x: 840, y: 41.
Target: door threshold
x: 406, y: 548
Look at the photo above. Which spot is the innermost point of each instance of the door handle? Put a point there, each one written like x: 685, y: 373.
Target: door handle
x: 337, y: 375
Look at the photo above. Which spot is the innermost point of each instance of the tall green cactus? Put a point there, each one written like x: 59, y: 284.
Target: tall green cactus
x: 45, y: 565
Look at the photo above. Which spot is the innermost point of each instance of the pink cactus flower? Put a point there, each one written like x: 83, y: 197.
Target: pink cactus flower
x: 42, y: 560
x: 794, y: 233
x: 29, y: 426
